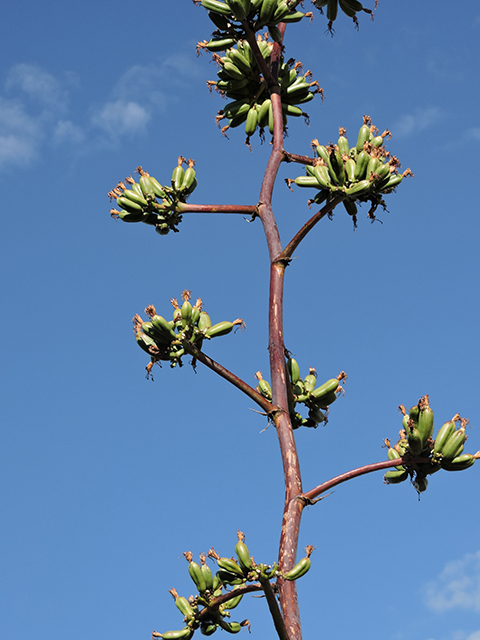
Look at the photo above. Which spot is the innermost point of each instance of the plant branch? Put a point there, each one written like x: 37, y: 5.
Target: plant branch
x: 265, y: 70
x: 252, y: 393
x: 274, y: 609
x: 276, y: 347
x: 225, y: 597
x: 293, y: 157
x: 307, y: 227
x: 309, y: 496
x: 183, y: 207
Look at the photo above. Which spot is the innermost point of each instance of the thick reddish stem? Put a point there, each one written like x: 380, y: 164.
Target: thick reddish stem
x: 252, y: 393
x: 308, y: 226
x: 360, y: 471
x: 291, y: 467
x: 244, y: 209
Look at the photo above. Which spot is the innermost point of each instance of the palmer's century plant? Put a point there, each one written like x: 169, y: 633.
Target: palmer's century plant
x: 263, y: 90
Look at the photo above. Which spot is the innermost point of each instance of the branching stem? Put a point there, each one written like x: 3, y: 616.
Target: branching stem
x: 360, y: 471
x: 274, y: 610
x: 222, y: 371
x: 244, y: 209
x: 308, y: 226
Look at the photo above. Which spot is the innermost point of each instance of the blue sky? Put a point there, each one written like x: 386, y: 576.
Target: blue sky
x: 107, y: 477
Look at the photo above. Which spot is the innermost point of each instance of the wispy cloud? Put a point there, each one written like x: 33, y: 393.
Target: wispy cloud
x: 36, y: 109
x: 419, y: 120
x: 39, y: 85
x: 67, y: 132
x: 457, y: 587
x: 474, y: 636
x: 20, y: 134
x: 475, y: 132
x: 155, y: 87
x: 121, y: 117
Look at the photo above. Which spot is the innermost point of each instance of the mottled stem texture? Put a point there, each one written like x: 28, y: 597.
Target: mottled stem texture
x: 291, y: 468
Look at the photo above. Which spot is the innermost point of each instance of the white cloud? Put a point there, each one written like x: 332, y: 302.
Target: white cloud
x: 20, y: 134
x: 418, y: 121
x: 37, y: 84
x: 458, y: 586
x: 16, y: 150
x: 474, y: 636
x: 34, y: 107
x: 121, y: 117
x: 181, y: 64
x: 475, y: 132
x: 67, y: 131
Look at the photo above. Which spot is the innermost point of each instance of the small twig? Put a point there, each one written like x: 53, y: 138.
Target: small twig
x: 222, y: 371
x: 308, y: 226
x: 360, y: 471
x: 274, y: 609
x: 183, y: 207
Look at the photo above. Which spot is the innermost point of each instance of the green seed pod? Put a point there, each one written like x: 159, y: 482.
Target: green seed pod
x: 227, y: 577
x: 293, y: 370
x: 350, y: 207
x: 310, y: 381
x: 186, y: 313
x: 395, y: 476
x: 454, y: 445
x: 231, y: 627
x: 219, y: 44
x: 207, y: 628
x: 425, y: 421
x: 361, y: 165
x: 233, y: 602
x: 315, y: 414
x: 299, y: 570
x: 322, y: 174
x: 217, y: 6
x: 414, y: 413
x: 204, y: 321
x: 163, y: 327
x: 183, y: 634
x: 207, y: 575
x: 196, y: 573
x: 459, y: 463
x: 363, y: 134
x: 326, y: 387
x: 393, y: 454
x: 343, y: 142
x: 227, y: 564
x: 157, y: 187
x: 359, y: 188
x: 420, y: 483
x: 307, y: 181
x: 147, y: 186
x: 243, y: 553
x: 222, y: 328
x: 184, y: 606
x: 444, y: 433
x: 130, y: 216
x: 133, y: 196
x: 129, y: 205
x: 415, y: 442
x: 350, y: 166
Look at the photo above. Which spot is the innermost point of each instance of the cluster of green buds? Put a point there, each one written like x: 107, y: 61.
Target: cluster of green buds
x: 240, y: 79
x: 205, y: 611
x: 171, y: 340
x: 416, y: 441
x: 349, y: 7
x: 362, y: 173
x: 152, y: 203
x: 228, y: 16
x: 304, y: 391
